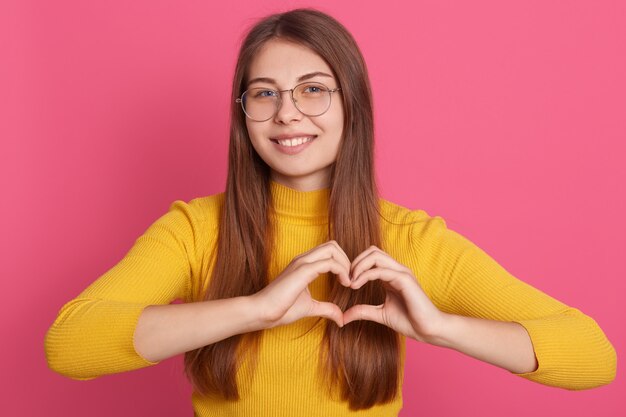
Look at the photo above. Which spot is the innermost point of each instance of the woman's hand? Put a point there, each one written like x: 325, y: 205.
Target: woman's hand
x: 287, y: 298
x: 407, y: 309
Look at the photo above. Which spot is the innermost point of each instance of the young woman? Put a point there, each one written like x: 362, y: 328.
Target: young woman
x: 301, y: 284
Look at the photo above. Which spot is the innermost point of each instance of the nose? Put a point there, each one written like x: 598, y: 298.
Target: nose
x: 287, y: 110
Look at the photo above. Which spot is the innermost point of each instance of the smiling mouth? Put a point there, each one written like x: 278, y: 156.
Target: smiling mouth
x: 293, y: 141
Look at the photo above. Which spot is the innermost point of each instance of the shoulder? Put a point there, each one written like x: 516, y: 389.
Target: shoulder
x: 408, y: 235
x: 413, y: 230
x: 203, y: 210
x: 405, y: 230
x: 208, y: 207
x: 395, y: 215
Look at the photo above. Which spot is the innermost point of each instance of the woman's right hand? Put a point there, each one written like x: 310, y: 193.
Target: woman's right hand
x: 287, y: 298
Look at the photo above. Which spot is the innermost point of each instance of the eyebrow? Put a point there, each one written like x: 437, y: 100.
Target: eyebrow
x: 300, y: 79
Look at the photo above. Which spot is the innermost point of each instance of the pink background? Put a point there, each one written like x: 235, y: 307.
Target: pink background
x: 505, y: 118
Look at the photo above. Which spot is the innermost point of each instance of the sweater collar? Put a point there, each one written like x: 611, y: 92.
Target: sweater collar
x: 302, y: 206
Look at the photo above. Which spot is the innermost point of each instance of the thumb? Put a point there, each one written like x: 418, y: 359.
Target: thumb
x: 327, y: 310
x: 364, y: 312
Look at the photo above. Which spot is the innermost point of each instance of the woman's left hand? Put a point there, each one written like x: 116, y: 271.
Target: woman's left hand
x: 407, y: 309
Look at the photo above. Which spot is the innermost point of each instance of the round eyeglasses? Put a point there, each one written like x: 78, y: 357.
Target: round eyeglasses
x: 311, y: 99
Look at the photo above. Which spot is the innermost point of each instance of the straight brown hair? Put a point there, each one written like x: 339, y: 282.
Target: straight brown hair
x: 360, y: 360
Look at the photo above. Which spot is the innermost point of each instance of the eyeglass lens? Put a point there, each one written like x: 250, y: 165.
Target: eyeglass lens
x: 311, y: 99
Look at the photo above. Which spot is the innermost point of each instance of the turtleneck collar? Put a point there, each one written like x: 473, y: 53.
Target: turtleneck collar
x: 310, y: 207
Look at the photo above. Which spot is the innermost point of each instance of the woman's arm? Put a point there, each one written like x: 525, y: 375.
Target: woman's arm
x: 164, y: 331
x: 571, y: 350
x: 471, y: 304
x: 92, y: 334
x: 124, y: 320
x: 503, y: 344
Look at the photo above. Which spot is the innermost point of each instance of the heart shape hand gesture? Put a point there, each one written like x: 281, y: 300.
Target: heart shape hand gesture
x: 406, y: 308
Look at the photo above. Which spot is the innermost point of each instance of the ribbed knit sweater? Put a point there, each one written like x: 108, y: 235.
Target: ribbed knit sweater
x: 93, y: 333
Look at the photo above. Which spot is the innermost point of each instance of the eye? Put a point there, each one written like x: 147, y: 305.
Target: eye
x: 264, y: 93
x: 313, y: 89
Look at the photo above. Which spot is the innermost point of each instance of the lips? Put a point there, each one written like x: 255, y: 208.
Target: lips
x: 292, y: 144
x: 291, y: 140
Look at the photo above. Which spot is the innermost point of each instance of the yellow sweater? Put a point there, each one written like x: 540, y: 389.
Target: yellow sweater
x: 93, y: 333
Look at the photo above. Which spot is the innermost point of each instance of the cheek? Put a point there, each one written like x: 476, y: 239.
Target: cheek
x: 249, y: 128
x: 337, y: 124
x: 254, y: 135
x: 338, y: 116
x: 254, y: 132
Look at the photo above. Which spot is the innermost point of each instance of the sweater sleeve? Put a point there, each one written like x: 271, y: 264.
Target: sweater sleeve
x: 93, y: 333
x: 460, y: 278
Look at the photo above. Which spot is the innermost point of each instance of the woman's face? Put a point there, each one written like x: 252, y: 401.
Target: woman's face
x: 281, y: 65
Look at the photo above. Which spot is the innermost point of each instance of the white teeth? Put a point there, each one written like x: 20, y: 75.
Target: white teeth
x: 294, y: 141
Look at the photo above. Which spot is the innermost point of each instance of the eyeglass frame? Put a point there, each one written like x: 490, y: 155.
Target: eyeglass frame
x: 279, y: 102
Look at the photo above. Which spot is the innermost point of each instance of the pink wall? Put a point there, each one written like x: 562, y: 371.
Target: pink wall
x: 508, y: 120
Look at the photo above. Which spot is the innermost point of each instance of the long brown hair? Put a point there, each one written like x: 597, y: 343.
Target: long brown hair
x: 362, y: 358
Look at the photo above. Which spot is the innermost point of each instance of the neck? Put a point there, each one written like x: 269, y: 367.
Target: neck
x: 306, y: 207
x: 311, y: 182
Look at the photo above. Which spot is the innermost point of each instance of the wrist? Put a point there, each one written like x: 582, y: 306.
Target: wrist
x: 260, y: 316
x: 443, y: 331
x: 250, y: 310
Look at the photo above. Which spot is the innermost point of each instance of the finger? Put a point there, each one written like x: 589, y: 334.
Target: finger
x: 296, y: 280
x: 340, y: 251
x: 308, y: 272
x: 338, y: 254
x: 363, y: 254
x: 397, y: 280
x: 327, y: 250
x: 331, y: 244
x: 376, y: 258
x: 329, y: 311
x: 330, y: 265
x: 364, y: 312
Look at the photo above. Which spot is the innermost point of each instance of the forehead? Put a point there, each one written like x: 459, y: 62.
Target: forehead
x: 285, y: 61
